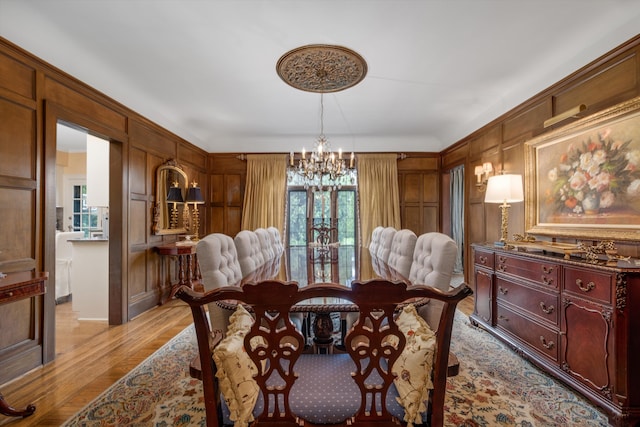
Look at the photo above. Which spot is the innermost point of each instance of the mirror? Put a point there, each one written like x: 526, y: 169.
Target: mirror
x: 170, y: 214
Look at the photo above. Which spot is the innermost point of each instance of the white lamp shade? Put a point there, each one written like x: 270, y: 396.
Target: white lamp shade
x: 504, y: 189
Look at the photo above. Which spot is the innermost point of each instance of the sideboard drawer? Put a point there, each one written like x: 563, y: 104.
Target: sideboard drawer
x: 537, y: 271
x: 544, y: 305
x: 544, y: 340
x: 483, y: 258
x: 588, y: 284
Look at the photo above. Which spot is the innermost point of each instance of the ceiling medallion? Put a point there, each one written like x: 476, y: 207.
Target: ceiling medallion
x: 321, y: 68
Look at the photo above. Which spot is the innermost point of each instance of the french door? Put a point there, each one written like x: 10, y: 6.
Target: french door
x: 322, y: 234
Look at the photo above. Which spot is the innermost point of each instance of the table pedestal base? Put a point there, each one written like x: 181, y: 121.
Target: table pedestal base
x: 6, y: 409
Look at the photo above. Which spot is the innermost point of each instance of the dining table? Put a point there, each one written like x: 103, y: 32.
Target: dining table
x: 313, y: 265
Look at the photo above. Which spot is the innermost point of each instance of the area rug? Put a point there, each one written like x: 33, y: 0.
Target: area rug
x: 495, y: 387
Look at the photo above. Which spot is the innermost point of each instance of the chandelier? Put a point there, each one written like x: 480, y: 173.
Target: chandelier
x: 323, y: 69
x: 321, y: 166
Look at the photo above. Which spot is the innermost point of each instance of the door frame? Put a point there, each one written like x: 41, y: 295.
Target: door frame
x: 118, y: 185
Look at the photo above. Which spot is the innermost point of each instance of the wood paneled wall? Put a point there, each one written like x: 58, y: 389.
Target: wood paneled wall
x: 33, y: 97
x: 607, y: 81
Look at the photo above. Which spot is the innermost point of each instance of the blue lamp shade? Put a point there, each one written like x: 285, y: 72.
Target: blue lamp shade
x: 194, y: 195
x: 175, y: 195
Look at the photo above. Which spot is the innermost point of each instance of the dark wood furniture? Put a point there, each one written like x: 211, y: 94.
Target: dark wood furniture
x: 13, y: 287
x: 271, y: 303
x: 187, y: 261
x: 574, y: 319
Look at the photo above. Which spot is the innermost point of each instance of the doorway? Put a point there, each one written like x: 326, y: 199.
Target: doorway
x: 116, y: 274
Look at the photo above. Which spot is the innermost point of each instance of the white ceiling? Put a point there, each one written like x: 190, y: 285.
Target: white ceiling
x: 205, y: 69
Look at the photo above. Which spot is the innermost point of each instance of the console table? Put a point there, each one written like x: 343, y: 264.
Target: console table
x: 13, y: 287
x: 576, y: 320
x: 188, y: 268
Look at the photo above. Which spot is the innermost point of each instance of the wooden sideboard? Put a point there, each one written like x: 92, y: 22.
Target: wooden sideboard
x: 577, y: 320
x: 14, y: 287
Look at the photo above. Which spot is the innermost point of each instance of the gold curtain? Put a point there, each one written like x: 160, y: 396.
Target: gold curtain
x: 265, y: 192
x: 379, y: 193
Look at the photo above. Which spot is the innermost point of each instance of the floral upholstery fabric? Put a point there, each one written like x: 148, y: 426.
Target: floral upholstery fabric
x: 414, y: 366
x: 236, y: 369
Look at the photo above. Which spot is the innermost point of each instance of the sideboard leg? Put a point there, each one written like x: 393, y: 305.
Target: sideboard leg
x: 8, y: 410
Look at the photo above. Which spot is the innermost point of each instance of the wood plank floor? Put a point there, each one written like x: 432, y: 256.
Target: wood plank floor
x: 84, y: 366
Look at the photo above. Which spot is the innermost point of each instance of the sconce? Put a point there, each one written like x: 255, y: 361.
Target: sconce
x: 482, y: 174
x: 174, y: 196
x: 194, y: 196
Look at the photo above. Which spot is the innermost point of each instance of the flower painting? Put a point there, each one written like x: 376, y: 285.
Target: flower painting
x: 585, y: 177
x: 594, y: 176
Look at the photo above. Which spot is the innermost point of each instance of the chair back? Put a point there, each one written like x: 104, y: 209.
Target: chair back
x: 375, y: 342
x: 386, y: 240
x: 434, y: 258
x: 249, y: 251
x: 266, y: 245
x: 219, y: 266
x: 401, y: 253
x: 375, y: 240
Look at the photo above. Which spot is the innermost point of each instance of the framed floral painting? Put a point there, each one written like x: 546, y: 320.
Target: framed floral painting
x: 583, y: 180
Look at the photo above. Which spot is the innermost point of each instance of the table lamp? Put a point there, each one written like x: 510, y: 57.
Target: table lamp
x: 194, y: 196
x: 504, y: 189
x: 174, y: 196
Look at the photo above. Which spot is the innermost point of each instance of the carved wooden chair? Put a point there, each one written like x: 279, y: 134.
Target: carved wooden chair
x: 285, y: 388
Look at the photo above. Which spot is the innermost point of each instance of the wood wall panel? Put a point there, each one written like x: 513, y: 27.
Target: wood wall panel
x: 485, y: 142
x: 216, y: 189
x: 430, y: 219
x: 425, y: 161
x: 193, y: 156
x: 411, y: 188
x: 430, y: 193
x: 234, y: 221
x: 17, y: 140
x: 138, y: 225
x: 608, y: 85
x: 17, y: 77
x: 63, y: 94
x: 17, y: 242
x: 138, y: 173
x: 457, y: 155
x: 527, y: 122
x: 234, y: 189
x: 151, y: 140
x: 137, y: 275
x: 412, y: 218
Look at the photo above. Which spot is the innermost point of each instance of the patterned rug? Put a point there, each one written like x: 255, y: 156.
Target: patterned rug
x: 495, y: 387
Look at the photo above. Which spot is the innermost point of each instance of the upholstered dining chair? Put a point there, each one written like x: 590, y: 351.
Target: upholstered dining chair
x: 401, y: 252
x: 434, y: 258
x: 393, y: 371
x: 219, y: 267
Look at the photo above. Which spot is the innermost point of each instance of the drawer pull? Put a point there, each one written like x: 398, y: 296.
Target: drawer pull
x: 583, y: 288
x: 10, y: 294
x: 501, y: 317
x: 547, y: 281
x: 548, y: 345
x: 483, y: 259
x: 502, y: 290
x: 547, y: 270
x: 546, y: 309
x: 502, y: 267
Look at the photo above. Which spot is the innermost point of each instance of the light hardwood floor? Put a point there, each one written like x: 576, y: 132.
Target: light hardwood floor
x: 84, y: 366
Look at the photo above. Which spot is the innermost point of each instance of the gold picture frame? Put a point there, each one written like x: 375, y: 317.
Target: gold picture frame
x: 583, y: 180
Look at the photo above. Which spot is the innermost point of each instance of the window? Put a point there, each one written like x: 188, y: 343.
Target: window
x: 317, y: 217
x: 85, y: 218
